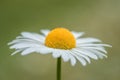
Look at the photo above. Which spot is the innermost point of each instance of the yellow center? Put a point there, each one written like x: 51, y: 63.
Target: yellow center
x: 60, y: 38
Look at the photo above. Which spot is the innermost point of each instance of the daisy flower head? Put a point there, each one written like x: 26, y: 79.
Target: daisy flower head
x: 60, y: 42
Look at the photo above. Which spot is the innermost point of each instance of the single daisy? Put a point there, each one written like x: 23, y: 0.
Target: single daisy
x: 60, y: 42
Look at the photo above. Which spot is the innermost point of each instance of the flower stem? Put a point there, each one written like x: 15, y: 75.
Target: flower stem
x: 59, y: 68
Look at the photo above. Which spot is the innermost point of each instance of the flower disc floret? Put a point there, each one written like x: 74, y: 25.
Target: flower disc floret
x: 60, y: 38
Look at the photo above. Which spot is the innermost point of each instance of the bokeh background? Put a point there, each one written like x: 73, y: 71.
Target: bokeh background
x: 97, y: 18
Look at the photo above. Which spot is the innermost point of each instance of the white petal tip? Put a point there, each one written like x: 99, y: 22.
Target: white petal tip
x: 55, y: 56
x: 9, y: 43
x: 84, y: 65
x: 107, y: 45
x: 13, y: 54
x: 73, y: 64
x: 23, y: 54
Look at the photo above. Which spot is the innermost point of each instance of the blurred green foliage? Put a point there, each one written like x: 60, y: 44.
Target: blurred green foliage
x: 98, y: 18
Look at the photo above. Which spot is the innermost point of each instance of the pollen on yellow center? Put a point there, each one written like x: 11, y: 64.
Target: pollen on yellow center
x: 60, y: 38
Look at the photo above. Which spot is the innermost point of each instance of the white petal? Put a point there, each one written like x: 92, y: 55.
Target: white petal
x: 18, y: 37
x: 83, y: 62
x: 87, y: 40
x: 44, y: 50
x: 72, y: 59
x: 102, y: 49
x: 24, y: 45
x: 81, y: 55
x: 45, y: 32
x: 87, y: 53
x: 77, y: 34
x: 17, y: 51
x: 99, y: 54
x: 28, y: 51
x: 33, y: 36
x: 91, y: 45
x: 19, y: 41
x: 56, y: 54
x: 65, y: 55
x: 41, y: 50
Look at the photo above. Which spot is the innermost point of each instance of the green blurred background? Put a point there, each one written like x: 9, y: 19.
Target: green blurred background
x: 97, y: 18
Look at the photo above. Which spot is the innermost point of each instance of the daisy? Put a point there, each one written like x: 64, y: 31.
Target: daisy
x: 61, y: 43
